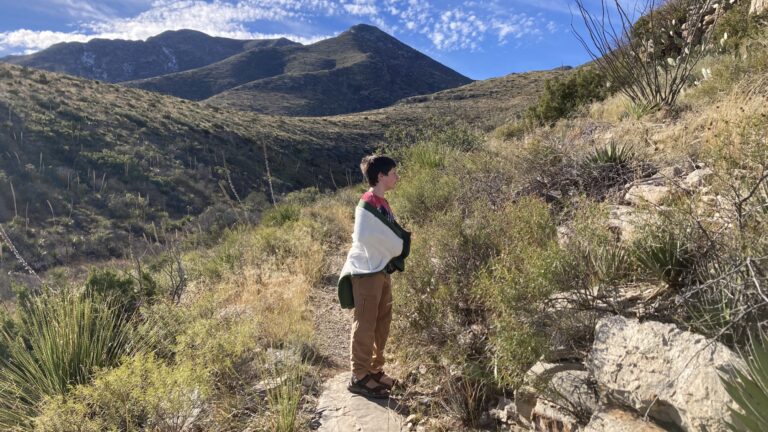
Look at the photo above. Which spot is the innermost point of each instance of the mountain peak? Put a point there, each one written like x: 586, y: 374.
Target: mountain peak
x: 367, y: 30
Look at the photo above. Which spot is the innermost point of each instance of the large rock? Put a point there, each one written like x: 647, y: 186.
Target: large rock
x: 624, y: 220
x: 549, y: 417
x: 616, y: 420
x: 536, y: 381
x: 670, y: 373
x: 574, y: 390
x: 697, y: 178
x: 340, y: 410
x: 647, y: 194
x: 758, y: 6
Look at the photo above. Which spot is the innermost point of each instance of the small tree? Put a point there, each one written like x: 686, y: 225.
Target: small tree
x: 651, y: 60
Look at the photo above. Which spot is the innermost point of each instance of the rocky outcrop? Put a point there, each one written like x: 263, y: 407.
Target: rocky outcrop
x: 758, y: 6
x: 340, y: 410
x: 647, y: 194
x: 615, y: 420
x: 668, y: 373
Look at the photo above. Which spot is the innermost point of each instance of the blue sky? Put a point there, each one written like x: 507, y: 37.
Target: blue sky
x: 478, y: 38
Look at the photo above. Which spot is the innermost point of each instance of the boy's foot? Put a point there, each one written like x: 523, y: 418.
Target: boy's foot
x: 368, y: 387
x: 384, y: 379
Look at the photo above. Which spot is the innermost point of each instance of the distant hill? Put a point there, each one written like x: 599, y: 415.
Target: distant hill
x: 361, y: 69
x: 485, y: 105
x: 85, y: 166
x: 122, y: 60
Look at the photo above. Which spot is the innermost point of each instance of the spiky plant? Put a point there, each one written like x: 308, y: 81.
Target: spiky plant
x: 749, y: 389
x: 61, y: 340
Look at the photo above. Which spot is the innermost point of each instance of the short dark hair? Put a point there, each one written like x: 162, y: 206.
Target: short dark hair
x: 373, y: 165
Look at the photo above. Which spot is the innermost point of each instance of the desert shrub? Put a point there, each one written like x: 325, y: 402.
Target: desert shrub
x: 666, y: 258
x: 517, y: 284
x: 439, y: 130
x: 545, y: 167
x: 303, y: 197
x: 467, y: 393
x: 593, y: 247
x: 646, y: 59
x: 284, y: 399
x: 737, y: 27
x: 143, y: 393
x: 109, y: 285
x: 608, y: 168
x: 563, y: 96
x: 728, y: 302
x: 749, y: 389
x: 61, y: 340
x: 422, y: 194
x: 660, y: 28
x: 281, y: 214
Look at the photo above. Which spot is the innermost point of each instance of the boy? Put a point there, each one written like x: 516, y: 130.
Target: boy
x: 379, y: 247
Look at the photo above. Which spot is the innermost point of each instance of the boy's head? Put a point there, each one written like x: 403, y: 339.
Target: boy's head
x: 374, y: 165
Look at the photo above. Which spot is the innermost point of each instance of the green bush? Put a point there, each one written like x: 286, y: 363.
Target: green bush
x: 666, y: 255
x: 563, y: 96
x: 108, y: 285
x: 61, y: 340
x: 662, y: 26
x: 143, y: 393
x: 607, y: 169
x: 737, y: 27
x: 281, y: 214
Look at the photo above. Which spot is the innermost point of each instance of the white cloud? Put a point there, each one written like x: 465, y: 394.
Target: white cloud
x: 448, y: 25
x: 30, y: 41
x: 216, y: 19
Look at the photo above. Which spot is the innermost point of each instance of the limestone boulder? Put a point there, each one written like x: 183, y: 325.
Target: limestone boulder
x: 641, y: 194
x: 549, y: 417
x: 615, y: 420
x: 575, y: 390
x: 758, y: 6
x: 660, y: 369
x: 536, y: 381
x: 697, y: 178
x: 624, y: 221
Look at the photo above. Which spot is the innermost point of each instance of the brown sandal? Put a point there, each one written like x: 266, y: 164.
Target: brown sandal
x: 358, y: 386
x: 379, y: 375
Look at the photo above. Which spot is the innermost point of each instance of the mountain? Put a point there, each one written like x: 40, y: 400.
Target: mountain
x: 361, y: 69
x: 122, y: 60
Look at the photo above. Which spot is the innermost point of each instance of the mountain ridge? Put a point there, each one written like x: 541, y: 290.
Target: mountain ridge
x: 362, y: 68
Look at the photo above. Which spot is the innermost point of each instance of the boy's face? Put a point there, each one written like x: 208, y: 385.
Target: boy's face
x: 389, y: 180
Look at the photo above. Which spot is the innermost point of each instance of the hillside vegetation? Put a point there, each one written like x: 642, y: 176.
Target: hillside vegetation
x: 578, y: 205
x: 86, y: 165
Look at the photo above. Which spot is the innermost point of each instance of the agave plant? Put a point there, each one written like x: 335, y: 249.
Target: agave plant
x: 749, y: 389
x: 666, y: 257
x: 612, y: 154
x: 62, y: 339
x: 607, y: 168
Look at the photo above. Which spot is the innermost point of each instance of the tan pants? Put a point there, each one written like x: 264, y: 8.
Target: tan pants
x: 370, y: 328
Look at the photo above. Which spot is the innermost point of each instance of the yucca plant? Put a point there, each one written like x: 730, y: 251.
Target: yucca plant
x: 638, y: 110
x: 61, y: 340
x: 749, y: 389
x: 608, y: 167
x: 665, y: 257
x: 612, y: 154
